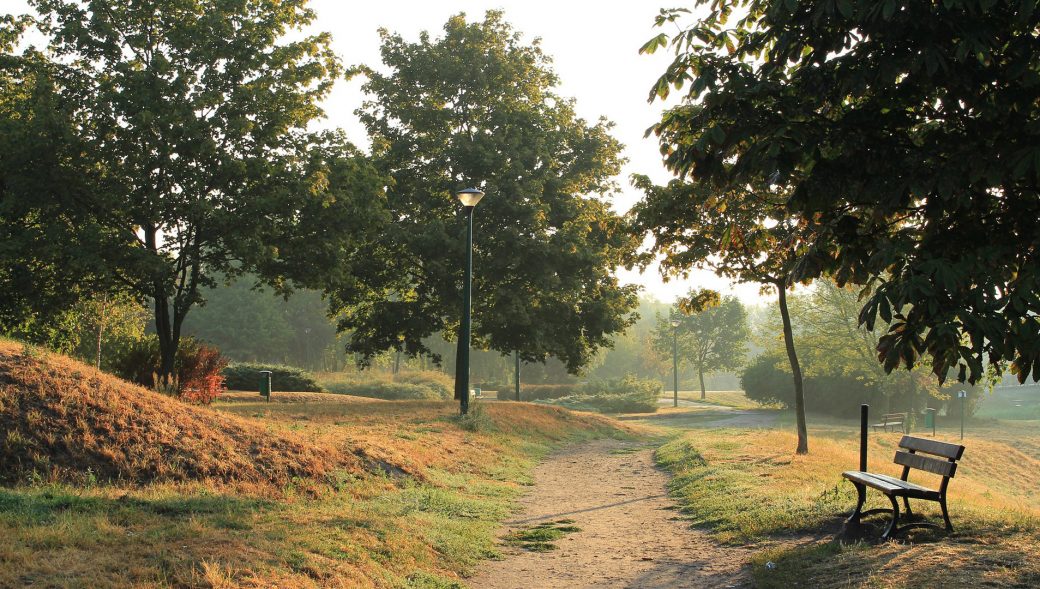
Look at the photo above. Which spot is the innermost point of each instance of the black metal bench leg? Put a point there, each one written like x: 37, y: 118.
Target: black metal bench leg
x: 906, y: 504
x: 946, y: 514
x: 894, y: 525
x: 861, y: 491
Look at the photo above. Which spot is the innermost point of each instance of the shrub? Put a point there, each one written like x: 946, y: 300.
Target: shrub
x: 765, y: 382
x: 443, y: 384
x: 408, y: 385
x: 616, y: 395
x: 284, y: 379
x: 536, y: 392
x: 197, y: 369
x: 477, y: 420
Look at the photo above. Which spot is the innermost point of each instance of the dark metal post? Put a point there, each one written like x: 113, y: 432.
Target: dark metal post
x: 516, y: 354
x: 675, y: 366
x: 863, y: 411
x: 462, y: 360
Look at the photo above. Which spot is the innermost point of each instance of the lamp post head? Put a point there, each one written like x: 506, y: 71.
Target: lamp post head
x: 470, y: 196
x: 675, y: 323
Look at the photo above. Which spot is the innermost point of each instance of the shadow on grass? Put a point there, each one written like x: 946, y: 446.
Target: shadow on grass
x: 42, y: 505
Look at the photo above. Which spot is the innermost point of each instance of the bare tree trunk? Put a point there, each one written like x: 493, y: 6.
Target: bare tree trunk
x: 796, y: 370
x: 102, y: 315
x: 700, y: 375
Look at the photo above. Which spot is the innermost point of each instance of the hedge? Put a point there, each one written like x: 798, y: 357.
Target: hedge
x: 537, y: 392
x: 246, y: 377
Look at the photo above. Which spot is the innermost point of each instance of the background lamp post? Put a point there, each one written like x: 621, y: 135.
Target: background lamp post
x: 675, y: 362
x: 469, y: 198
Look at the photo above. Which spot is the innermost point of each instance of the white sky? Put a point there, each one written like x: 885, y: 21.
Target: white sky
x: 595, y: 50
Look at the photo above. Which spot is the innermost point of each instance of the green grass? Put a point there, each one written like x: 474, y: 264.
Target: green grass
x: 540, y: 538
x: 1011, y: 403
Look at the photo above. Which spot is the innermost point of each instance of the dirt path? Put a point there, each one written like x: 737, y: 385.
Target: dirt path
x: 629, y: 536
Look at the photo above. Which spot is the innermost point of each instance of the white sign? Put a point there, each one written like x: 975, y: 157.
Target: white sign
x: 962, y: 394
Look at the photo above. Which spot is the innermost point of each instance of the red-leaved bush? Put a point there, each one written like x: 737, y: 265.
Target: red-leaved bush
x: 199, y: 370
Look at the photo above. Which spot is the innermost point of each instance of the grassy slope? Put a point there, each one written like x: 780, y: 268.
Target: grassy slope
x: 748, y: 486
x: 61, y: 420
x: 426, y: 515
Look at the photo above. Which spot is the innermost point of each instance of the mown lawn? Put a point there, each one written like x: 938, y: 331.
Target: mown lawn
x: 748, y: 487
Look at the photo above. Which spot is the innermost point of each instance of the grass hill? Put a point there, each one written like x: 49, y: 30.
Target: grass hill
x: 63, y: 420
x: 110, y: 485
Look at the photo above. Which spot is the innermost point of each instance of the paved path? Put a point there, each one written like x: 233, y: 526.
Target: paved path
x: 630, y: 536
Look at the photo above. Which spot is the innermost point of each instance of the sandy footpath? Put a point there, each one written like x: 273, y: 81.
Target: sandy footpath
x: 630, y: 535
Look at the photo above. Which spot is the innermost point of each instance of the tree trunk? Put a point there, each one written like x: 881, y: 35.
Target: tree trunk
x: 792, y: 356
x: 102, y: 314
x: 163, y: 332
x: 700, y: 375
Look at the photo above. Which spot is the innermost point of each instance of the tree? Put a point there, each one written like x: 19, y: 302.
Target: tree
x: 834, y: 342
x: 256, y: 325
x: 909, y: 134
x: 478, y: 107
x: 184, y: 127
x: 711, y: 340
x: 47, y: 265
x: 743, y: 233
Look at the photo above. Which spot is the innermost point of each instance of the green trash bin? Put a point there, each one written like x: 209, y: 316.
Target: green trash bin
x: 265, y: 384
x: 929, y: 420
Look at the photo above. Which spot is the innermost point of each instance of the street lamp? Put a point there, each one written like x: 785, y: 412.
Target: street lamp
x: 469, y: 198
x: 675, y: 362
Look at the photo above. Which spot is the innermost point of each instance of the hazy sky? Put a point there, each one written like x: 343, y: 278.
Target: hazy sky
x: 595, y: 50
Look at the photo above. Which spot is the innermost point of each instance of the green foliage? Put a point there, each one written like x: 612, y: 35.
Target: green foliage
x: 249, y: 324
x: 906, y: 132
x: 536, y: 392
x: 476, y: 420
x: 631, y: 352
x: 764, y: 381
x: 418, y: 385
x: 619, y: 395
x: 246, y: 377
x: 712, y: 338
x: 767, y: 381
x: 197, y: 376
x: 173, y: 160
x: 478, y: 107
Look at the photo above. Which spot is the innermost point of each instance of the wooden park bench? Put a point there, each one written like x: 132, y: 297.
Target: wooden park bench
x: 891, y: 420
x: 944, y: 466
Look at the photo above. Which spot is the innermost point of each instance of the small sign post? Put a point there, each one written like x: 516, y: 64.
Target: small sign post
x: 963, y: 397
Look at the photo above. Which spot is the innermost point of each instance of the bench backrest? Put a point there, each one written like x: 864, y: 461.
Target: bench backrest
x: 893, y: 417
x: 911, y: 459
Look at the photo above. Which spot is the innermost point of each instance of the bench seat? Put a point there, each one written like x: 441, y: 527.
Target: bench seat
x: 890, y: 485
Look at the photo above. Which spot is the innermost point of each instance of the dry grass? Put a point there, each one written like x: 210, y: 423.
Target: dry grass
x: 61, y: 420
x: 735, y: 399
x: 400, y: 494
x: 749, y: 487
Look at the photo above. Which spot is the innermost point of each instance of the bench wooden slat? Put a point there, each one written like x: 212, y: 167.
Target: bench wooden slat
x: 891, y: 485
x: 934, y: 447
x: 926, y: 463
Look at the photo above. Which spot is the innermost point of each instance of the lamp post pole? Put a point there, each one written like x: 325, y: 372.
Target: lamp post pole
x: 516, y: 357
x: 675, y: 363
x: 469, y: 197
